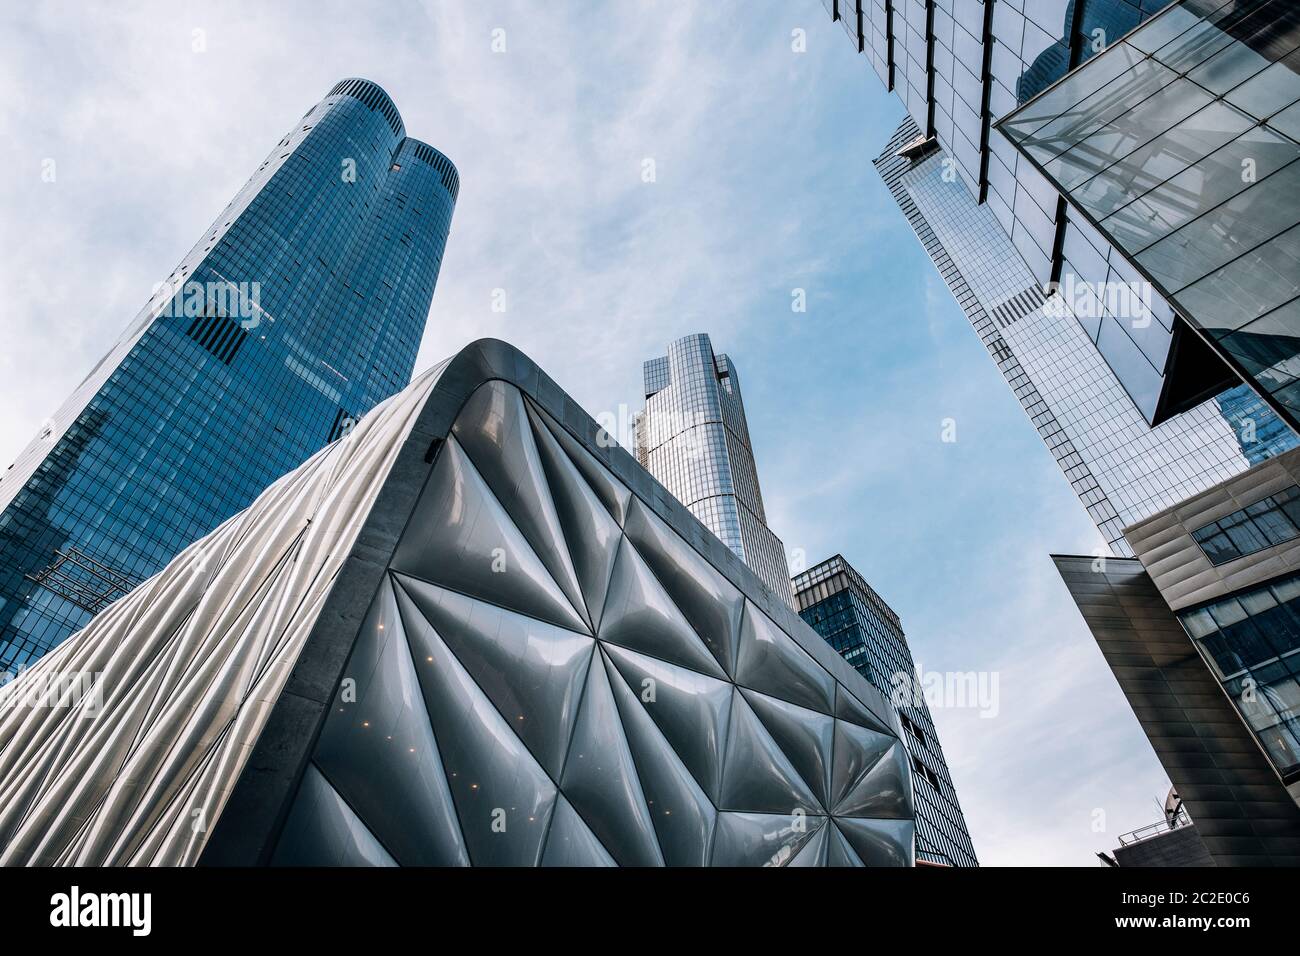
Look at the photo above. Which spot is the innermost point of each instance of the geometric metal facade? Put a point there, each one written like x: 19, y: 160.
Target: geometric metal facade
x: 495, y: 642
x: 298, y: 310
x: 693, y: 436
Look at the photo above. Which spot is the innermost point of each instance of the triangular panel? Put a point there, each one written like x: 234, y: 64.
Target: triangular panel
x: 848, y: 707
x: 758, y: 777
x: 461, y: 538
x: 857, y: 750
x: 691, y: 710
x: 709, y: 601
x: 322, y: 830
x: 772, y: 662
x: 613, y: 494
x: 803, y: 735
x: 639, y: 614
x: 378, y: 751
x: 571, y: 842
x: 813, y: 852
x: 600, y: 778
x: 762, y: 839
x: 533, y: 671
x: 884, y: 791
x: 881, y: 842
x: 590, y: 530
x: 682, y: 814
x: 503, y: 797
x: 493, y: 431
x: 838, y: 851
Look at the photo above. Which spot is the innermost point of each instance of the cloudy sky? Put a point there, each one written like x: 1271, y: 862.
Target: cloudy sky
x: 155, y: 113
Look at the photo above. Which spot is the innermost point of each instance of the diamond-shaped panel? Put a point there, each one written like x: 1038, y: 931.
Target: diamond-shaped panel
x: 494, y: 432
x: 772, y: 662
x: 640, y: 614
x: 758, y: 776
x: 531, y: 670
x: 462, y: 538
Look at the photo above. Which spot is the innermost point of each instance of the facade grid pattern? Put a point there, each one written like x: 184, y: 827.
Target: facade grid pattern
x: 852, y: 618
x: 341, y: 231
x: 1121, y: 468
x: 694, y: 438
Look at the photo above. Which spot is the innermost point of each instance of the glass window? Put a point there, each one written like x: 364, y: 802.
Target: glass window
x: 1268, y: 522
x: 1268, y: 92
x: 1198, y: 189
x: 1227, y: 68
x: 1136, y: 125
x: 1250, y: 286
x: 1145, y: 79
x: 1241, y: 224
x: 1162, y: 158
x: 1269, y: 347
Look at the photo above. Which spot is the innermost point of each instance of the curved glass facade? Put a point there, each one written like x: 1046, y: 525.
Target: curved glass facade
x: 297, y: 311
x: 693, y: 437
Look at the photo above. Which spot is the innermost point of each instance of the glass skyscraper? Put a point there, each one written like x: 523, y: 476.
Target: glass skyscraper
x: 693, y: 437
x: 838, y: 604
x: 297, y: 311
x: 1000, y: 235
x: 1179, y: 146
x: 1122, y: 469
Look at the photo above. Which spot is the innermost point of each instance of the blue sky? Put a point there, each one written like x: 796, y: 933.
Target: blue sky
x: 763, y: 184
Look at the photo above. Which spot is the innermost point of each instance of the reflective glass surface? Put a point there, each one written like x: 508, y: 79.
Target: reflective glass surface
x: 206, y: 399
x: 1270, y: 521
x: 840, y: 606
x: 1061, y: 359
x: 693, y: 437
x: 1030, y: 48
x: 1251, y: 641
x: 1188, y: 161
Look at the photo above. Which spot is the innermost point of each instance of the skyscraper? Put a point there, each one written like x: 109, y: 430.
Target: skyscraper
x: 1130, y: 439
x: 299, y: 309
x: 693, y: 437
x: 1124, y: 241
x: 1178, y: 147
x: 1122, y: 468
x: 838, y: 603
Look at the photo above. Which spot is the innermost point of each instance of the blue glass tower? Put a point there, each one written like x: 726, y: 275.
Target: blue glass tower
x: 297, y: 311
x: 852, y: 618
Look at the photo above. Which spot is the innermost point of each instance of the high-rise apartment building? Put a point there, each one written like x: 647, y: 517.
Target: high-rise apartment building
x: 299, y: 309
x: 693, y: 437
x: 842, y: 607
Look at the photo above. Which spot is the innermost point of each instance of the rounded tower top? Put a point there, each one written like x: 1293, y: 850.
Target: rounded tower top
x: 373, y: 96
